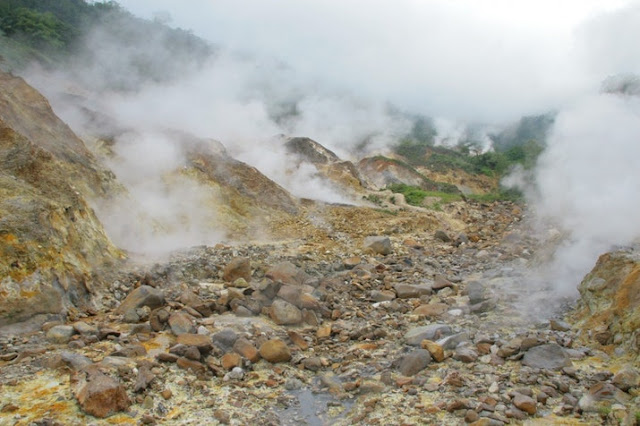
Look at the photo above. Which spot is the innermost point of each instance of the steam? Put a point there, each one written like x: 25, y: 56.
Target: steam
x: 586, y: 184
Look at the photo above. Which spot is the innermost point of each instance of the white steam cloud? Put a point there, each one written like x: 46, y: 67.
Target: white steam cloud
x: 344, y: 64
x: 588, y: 182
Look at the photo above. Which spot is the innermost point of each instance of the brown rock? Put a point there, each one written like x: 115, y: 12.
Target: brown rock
x: 274, y: 351
x: 352, y: 262
x: 100, y: 395
x: 287, y: 273
x: 284, y: 313
x: 298, y: 340
x: 525, y: 403
x: 180, y: 323
x: 431, y: 310
x: 230, y: 360
x: 245, y: 348
x: 200, y: 341
x: 324, y: 331
x: 166, y: 393
x: 440, y: 282
x: 144, y: 378
x: 142, y: 296
x: 189, y: 364
x: 436, y: 351
x: 239, y: 267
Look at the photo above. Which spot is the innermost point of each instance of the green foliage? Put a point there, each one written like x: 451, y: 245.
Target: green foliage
x: 535, y: 127
x: 415, y: 196
x: 503, y: 194
x: 373, y: 198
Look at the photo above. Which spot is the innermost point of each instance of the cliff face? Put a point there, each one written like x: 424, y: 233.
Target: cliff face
x: 52, y: 246
x: 609, y: 306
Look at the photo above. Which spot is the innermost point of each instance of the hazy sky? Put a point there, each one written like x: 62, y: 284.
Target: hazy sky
x: 462, y: 59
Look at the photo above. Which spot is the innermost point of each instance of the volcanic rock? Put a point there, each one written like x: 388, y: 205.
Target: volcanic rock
x: 274, y: 351
x: 100, y: 395
x: 549, y: 356
x: 414, y: 362
x: 284, y: 313
x: 142, y: 296
x: 239, y: 267
x: 415, y: 336
x: 378, y: 245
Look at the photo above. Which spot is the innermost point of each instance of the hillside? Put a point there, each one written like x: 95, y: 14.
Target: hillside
x: 157, y: 271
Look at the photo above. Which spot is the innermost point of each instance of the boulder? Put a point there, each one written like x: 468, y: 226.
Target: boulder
x: 284, y: 313
x: 414, y: 362
x: 142, y: 296
x: 550, y: 356
x: 238, y: 267
x: 378, y: 245
x: 100, y: 395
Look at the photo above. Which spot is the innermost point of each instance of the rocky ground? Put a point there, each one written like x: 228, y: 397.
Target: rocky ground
x: 353, y: 316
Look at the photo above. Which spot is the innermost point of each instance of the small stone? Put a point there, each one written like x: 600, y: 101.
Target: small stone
x: 224, y: 339
x: 471, y: 416
x: 442, y: 236
x: 408, y: 291
x: 143, y: 379
x: 189, y: 364
x: 85, y: 329
x: 559, y: 325
x: 239, y: 267
x: 236, y: 373
x: 431, y: 310
x: 191, y: 352
x: 313, y: 363
x: 284, y: 313
x: 60, y: 334
x: 382, y: 296
x: 167, y: 357
x: 246, y: 349
x: 100, y: 395
x: 142, y: 296
x: 181, y: 323
x: 298, y: 340
x: 415, y: 336
x: 166, y: 393
x: 230, y: 360
x: 436, y: 351
x: 378, y: 245
x: 323, y: 331
x: 200, y: 341
x: 440, y: 282
x: 351, y: 262
x: 549, y: 356
x: 525, y: 403
x: 465, y: 354
x: 626, y: 379
x: 274, y: 351
x: 414, y: 362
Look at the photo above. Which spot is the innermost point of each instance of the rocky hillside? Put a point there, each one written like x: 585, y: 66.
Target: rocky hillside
x: 302, y: 312
x: 53, y: 247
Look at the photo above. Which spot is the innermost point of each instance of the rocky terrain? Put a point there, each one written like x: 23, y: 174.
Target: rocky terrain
x: 307, y: 313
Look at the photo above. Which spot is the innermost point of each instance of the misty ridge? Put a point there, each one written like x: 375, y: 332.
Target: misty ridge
x: 133, y: 83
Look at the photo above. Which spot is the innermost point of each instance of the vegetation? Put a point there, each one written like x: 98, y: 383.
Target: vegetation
x: 51, y: 26
x: 415, y: 196
x: 50, y: 31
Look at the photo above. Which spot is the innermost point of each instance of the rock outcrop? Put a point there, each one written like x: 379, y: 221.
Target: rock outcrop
x: 52, y: 246
x: 609, y: 305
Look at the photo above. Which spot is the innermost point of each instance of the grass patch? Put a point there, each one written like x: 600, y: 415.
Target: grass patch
x: 415, y: 196
x: 512, y: 194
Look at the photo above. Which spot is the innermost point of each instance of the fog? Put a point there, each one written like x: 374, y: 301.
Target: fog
x: 339, y: 72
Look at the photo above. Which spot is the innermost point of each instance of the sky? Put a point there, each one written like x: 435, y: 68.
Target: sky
x: 490, y: 61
